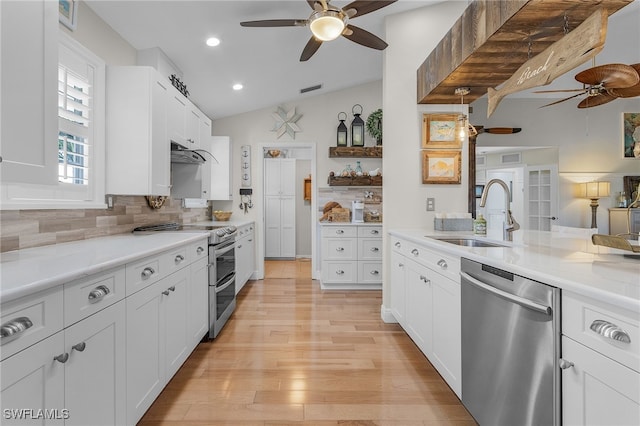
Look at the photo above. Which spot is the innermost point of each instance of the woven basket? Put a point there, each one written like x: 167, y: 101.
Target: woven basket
x: 221, y: 215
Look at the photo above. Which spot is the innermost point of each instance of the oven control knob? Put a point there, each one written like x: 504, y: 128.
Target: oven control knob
x: 220, y: 232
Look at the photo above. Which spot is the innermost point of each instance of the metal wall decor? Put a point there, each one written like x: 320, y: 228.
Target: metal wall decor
x: 182, y: 88
x: 342, y: 130
x: 357, y: 127
x: 245, y: 166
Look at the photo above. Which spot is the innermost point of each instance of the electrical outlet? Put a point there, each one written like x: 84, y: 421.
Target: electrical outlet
x: 109, y: 199
x: 431, y: 204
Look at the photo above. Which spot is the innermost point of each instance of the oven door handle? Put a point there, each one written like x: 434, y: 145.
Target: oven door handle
x: 227, y: 284
x: 224, y: 248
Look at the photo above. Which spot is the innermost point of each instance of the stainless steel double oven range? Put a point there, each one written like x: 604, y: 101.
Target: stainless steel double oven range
x: 222, y: 268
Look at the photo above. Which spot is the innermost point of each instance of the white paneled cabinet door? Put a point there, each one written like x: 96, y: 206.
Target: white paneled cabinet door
x: 198, y: 305
x: 597, y: 390
x: 541, y: 197
x: 32, y: 379
x: 272, y: 234
x: 216, y: 173
x: 176, y: 116
x: 28, y: 117
x: 174, y: 290
x: 398, y: 287
x: 95, y: 379
x: 280, y: 217
x: 193, y: 118
x: 287, y: 226
x: 419, y: 318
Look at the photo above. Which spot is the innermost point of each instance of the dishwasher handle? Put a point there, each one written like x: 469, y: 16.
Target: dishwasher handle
x: 511, y: 297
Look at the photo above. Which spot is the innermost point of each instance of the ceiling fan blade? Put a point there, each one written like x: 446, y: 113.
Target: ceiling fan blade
x: 312, y: 4
x: 502, y: 130
x: 592, y: 101
x: 559, y: 91
x: 562, y: 100
x: 363, y: 7
x: 628, y: 92
x: 612, y: 76
x: 276, y: 23
x: 365, y: 38
x: 312, y: 46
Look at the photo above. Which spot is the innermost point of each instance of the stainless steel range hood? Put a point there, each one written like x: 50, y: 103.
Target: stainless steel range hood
x: 183, y: 155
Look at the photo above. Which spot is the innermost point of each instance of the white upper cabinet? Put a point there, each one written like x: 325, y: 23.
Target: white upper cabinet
x: 29, y: 118
x: 216, y: 173
x: 138, y: 148
x: 176, y: 115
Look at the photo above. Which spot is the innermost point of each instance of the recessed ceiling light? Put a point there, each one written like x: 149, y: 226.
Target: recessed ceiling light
x: 212, y: 41
x: 237, y: 86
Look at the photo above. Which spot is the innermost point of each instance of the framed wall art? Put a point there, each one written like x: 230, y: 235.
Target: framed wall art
x: 67, y: 13
x: 440, y: 131
x: 631, y: 134
x: 441, y: 166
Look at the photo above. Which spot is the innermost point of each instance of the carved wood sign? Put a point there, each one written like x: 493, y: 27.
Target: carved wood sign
x: 574, y: 49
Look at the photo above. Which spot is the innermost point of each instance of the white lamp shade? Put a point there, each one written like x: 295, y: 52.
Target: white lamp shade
x: 595, y: 190
x: 327, y: 26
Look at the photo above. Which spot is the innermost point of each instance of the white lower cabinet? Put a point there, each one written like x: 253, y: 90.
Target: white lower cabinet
x: 425, y: 300
x: 245, y: 255
x: 198, y: 312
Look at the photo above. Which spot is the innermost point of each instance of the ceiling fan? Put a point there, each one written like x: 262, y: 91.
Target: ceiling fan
x: 603, y: 84
x: 328, y: 22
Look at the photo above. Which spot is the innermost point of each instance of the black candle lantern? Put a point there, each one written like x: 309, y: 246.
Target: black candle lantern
x: 342, y: 130
x: 357, y: 127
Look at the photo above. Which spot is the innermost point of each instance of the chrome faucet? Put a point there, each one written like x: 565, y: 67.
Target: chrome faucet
x: 510, y: 224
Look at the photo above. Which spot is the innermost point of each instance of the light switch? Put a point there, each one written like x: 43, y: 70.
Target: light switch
x: 431, y: 204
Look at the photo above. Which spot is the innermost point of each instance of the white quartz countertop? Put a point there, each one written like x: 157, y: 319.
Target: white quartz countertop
x: 27, y: 271
x: 350, y: 223
x: 231, y: 222
x: 564, y: 261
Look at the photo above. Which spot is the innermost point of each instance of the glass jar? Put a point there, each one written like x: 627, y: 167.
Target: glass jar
x: 358, y: 169
x: 622, y: 199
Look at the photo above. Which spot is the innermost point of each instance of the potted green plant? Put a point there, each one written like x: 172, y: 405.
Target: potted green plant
x: 374, y: 125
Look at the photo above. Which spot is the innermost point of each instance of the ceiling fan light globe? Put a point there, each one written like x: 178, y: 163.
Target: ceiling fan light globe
x: 327, y: 25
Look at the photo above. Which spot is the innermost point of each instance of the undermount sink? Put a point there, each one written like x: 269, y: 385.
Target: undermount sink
x: 468, y: 242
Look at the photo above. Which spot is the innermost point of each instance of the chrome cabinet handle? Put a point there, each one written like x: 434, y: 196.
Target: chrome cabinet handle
x: 339, y: 231
x: 374, y: 249
x: 401, y: 265
x: 610, y: 331
x: 147, y: 272
x: 340, y: 272
x: 98, y: 293
x: 166, y: 292
x: 14, y: 327
x: 425, y: 279
x: 397, y: 244
x: 415, y: 252
x: 564, y: 364
x: 339, y: 248
x: 251, y: 240
x: 62, y: 358
x: 443, y: 264
x: 374, y: 232
x: 240, y: 246
x: 172, y: 288
x: 79, y: 347
x: 374, y: 272
x: 199, y: 250
x: 179, y: 258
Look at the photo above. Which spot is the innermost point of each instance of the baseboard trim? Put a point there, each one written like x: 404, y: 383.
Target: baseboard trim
x: 387, y: 316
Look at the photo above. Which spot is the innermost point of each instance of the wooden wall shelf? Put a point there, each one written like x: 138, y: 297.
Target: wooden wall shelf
x: 355, y: 151
x: 355, y: 181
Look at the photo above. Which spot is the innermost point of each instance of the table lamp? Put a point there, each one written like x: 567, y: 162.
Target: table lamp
x: 594, y: 191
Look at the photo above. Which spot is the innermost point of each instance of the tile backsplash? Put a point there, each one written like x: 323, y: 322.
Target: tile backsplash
x: 21, y: 229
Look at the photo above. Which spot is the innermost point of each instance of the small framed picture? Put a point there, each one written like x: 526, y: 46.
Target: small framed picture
x: 441, y: 166
x: 67, y: 13
x: 631, y: 134
x: 440, y: 131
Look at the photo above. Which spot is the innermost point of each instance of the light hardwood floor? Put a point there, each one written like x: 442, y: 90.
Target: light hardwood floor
x: 294, y: 354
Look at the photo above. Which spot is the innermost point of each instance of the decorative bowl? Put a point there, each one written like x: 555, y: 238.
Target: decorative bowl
x: 273, y: 153
x: 221, y: 215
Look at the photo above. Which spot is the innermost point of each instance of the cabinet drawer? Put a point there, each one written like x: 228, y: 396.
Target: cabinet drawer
x: 199, y: 250
x: 143, y: 273
x: 30, y: 319
x: 339, y: 272
x: 369, y: 272
x: 398, y: 245
x: 445, y: 265
x: 87, y: 296
x: 369, y: 231
x: 339, y: 249
x: 176, y: 259
x: 339, y: 231
x: 603, y: 328
x: 369, y: 249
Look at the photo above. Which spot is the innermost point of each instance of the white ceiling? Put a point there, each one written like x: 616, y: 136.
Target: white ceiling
x: 266, y: 60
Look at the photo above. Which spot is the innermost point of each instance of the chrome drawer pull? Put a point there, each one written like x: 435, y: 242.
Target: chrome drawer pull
x: 62, y: 358
x: 339, y: 248
x: 340, y: 231
x: 610, y: 331
x: 172, y: 288
x: 166, y: 292
x: 564, y: 364
x: 374, y: 231
x: 397, y: 244
x: 14, y: 327
x: 199, y: 250
x: 340, y: 272
x: 179, y: 258
x: 374, y: 249
x: 374, y: 272
x: 443, y: 264
x: 415, y: 252
x: 79, y: 347
x: 147, y: 272
x: 425, y: 279
x: 240, y: 246
x: 98, y: 293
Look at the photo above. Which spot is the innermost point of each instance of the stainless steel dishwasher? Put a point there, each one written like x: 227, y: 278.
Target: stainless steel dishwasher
x: 510, y: 347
